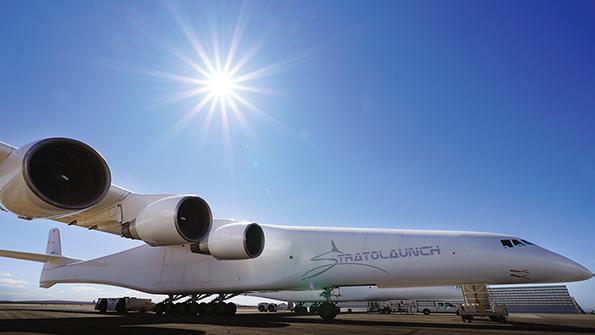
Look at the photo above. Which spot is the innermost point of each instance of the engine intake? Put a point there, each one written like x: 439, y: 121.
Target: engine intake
x: 66, y: 173
x: 53, y: 177
x: 238, y: 240
x: 171, y: 221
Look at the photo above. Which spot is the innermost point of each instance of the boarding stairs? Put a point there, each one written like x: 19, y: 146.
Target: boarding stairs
x: 478, y: 303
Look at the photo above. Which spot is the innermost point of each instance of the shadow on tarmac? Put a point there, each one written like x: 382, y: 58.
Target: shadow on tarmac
x: 108, y: 324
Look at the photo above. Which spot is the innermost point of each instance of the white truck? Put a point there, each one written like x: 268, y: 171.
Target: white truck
x: 428, y: 307
x: 123, y: 305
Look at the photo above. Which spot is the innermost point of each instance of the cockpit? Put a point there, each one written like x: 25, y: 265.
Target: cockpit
x: 515, y: 242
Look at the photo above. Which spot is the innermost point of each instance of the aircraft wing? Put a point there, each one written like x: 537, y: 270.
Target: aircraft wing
x: 118, y: 207
x: 68, y: 181
x: 5, y: 150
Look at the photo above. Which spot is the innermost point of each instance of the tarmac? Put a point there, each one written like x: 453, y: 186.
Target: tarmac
x: 82, y: 319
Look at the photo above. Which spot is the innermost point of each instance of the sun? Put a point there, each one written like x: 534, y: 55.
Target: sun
x: 221, y: 80
x: 221, y: 85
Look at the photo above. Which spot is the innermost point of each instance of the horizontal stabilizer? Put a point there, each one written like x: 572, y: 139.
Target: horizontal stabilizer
x: 35, y: 257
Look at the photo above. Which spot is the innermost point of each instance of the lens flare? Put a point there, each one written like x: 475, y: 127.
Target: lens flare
x: 219, y: 82
x: 221, y: 85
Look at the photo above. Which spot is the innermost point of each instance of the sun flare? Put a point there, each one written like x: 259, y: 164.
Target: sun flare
x: 221, y: 85
x: 221, y: 81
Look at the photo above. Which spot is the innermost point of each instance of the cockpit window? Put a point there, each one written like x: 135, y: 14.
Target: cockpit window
x: 506, y: 243
x: 517, y: 242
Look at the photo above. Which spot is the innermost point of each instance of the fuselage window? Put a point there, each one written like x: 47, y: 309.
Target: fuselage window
x: 506, y: 243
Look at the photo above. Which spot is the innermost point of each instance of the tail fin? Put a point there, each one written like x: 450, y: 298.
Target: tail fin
x: 54, y: 246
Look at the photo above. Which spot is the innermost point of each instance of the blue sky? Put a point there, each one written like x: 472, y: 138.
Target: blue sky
x: 458, y: 115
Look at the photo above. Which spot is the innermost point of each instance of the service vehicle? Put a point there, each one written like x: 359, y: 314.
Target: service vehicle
x: 123, y: 305
x: 496, y: 313
x: 428, y: 307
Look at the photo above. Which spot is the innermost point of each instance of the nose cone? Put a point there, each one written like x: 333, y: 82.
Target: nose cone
x: 562, y: 269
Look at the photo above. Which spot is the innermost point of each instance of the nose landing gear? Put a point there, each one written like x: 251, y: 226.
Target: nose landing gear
x: 328, y: 310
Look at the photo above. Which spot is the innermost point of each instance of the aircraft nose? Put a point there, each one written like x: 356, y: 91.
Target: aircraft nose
x: 566, y: 270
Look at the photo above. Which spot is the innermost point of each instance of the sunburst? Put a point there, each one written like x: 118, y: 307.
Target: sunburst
x: 219, y: 82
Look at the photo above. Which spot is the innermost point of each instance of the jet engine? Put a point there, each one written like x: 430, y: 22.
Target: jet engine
x: 53, y: 177
x: 170, y: 221
x: 237, y: 240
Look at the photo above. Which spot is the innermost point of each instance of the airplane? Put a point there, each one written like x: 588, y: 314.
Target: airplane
x: 362, y: 293
x: 188, y: 254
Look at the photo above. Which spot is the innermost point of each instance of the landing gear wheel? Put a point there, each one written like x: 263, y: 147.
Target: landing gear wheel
x: 121, y: 306
x: 202, y: 307
x: 168, y: 308
x: 182, y: 308
x: 261, y: 308
x: 179, y: 308
x: 159, y: 308
x: 220, y: 308
x: 103, y: 306
x: 327, y: 311
x: 210, y: 308
x: 272, y: 308
x: 192, y: 308
x: 230, y: 308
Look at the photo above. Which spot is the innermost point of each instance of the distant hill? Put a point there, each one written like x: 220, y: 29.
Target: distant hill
x: 47, y: 302
x: 66, y: 302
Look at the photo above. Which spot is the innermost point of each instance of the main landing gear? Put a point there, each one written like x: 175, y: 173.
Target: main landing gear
x: 191, y: 306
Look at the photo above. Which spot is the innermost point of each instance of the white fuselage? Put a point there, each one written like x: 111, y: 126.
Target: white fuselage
x: 299, y: 258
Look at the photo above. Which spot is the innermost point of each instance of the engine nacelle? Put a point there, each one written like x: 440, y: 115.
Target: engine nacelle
x: 238, y: 240
x: 171, y: 221
x: 53, y: 177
